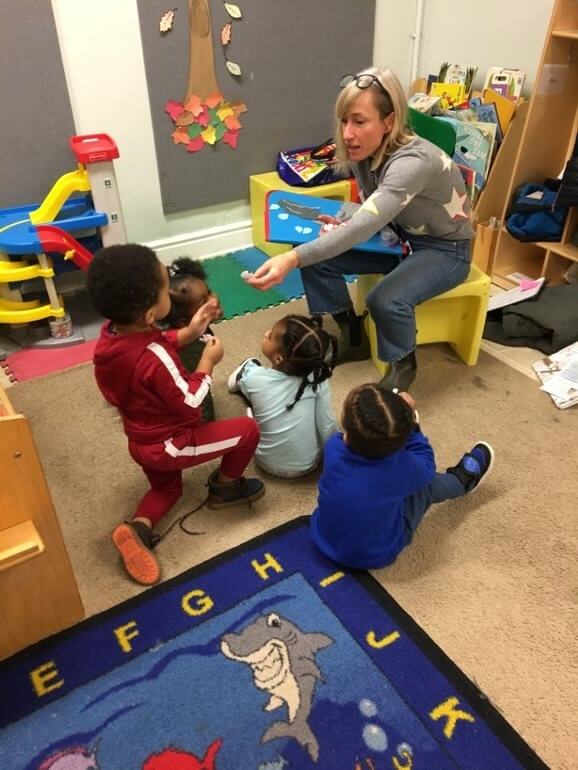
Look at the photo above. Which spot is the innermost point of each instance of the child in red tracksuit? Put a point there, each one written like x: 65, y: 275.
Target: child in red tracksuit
x: 138, y: 371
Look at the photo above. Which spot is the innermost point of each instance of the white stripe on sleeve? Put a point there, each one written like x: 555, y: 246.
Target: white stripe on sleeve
x: 193, y: 400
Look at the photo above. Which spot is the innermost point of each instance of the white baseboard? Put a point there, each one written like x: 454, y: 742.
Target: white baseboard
x: 203, y: 244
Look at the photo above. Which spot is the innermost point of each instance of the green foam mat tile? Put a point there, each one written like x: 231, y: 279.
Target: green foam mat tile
x: 237, y: 298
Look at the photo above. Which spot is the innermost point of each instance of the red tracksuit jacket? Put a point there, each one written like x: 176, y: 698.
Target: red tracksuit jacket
x: 142, y: 376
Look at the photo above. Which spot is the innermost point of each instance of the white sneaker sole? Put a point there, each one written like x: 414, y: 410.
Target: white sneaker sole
x: 232, y: 382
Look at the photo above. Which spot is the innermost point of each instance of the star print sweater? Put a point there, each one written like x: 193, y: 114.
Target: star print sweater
x: 418, y: 187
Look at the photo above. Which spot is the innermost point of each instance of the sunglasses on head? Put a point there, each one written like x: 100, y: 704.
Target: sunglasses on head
x: 363, y: 81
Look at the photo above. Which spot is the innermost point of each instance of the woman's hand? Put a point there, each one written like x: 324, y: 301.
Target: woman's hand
x: 274, y: 270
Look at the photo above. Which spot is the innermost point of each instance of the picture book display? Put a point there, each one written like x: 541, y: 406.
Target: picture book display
x: 293, y: 218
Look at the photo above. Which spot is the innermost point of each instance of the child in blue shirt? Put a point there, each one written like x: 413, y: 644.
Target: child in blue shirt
x: 379, y: 479
x: 291, y: 401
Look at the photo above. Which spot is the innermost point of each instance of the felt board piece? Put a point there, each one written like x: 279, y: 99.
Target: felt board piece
x: 292, y: 54
x: 35, y: 111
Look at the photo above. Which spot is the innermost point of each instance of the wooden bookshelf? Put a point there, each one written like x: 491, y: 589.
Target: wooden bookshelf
x: 546, y: 138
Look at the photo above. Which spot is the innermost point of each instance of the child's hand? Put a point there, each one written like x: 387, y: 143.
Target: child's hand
x: 213, y: 351
x: 208, y: 312
x: 408, y: 399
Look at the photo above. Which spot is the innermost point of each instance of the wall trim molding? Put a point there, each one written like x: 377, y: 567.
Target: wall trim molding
x: 203, y: 244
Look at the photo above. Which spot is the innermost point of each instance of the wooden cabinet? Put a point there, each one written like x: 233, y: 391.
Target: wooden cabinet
x: 547, y: 139
x: 38, y: 592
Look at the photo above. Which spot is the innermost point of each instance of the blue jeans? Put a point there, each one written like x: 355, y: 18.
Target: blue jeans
x: 445, y: 486
x: 434, y: 266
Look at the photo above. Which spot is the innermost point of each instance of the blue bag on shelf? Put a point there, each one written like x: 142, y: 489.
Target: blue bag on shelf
x: 532, y: 216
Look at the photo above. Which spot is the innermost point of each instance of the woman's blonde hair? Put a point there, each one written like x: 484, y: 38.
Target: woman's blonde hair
x: 400, y: 133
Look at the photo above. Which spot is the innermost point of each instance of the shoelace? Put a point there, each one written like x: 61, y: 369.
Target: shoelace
x: 156, y: 538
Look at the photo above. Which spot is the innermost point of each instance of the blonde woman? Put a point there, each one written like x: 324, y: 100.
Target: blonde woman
x: 405, y: 182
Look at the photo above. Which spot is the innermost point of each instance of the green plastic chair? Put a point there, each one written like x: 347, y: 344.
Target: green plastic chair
x: 438, y: 132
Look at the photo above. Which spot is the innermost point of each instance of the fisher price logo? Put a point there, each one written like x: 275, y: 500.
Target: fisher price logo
x: 96, y: 156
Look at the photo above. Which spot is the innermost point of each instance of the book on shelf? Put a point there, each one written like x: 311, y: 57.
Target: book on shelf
x: 423, y: 103
x: 505, y: 81
x: 458, y: 73
x: 450, y: 93
x: 487, y: 113
x: 505, y: 108
x: 474, y: 146
x: 559, y: 375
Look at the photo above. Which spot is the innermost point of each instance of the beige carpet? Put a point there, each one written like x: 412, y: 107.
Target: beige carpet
x: 492, y: 578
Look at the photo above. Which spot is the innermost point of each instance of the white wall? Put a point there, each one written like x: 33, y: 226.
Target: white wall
x: 493, y: 32
x: 103, y: 61
x: 104, y: 67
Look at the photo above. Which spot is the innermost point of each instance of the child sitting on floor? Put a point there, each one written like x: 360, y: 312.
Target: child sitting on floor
x: 379, y: 478
x: 292, y: 400
x: 138, y: 371
x: 188, y: 291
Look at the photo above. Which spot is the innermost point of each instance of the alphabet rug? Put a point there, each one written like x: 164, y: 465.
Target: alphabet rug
x: 268, y: 657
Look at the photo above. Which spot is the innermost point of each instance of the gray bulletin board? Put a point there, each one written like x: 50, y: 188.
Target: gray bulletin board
x: 35, y: 114
x: 292, y: 54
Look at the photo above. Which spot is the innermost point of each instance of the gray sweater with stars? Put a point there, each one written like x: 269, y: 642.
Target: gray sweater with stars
x: 418, y: 187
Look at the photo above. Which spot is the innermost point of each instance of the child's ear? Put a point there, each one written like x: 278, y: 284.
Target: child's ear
x: 277, y: 359
x: 149, y: 317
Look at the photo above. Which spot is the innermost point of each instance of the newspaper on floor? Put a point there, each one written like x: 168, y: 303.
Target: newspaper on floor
x: 559, y: 375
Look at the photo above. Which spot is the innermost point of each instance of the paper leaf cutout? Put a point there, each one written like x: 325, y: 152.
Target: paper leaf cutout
x: 195, y: 144
x: 166, y: 22
x: 204, y: 118
x: 174, y: 109
x: 180, y: 136
x: 214, y: 99
x: 220, y: 131
x: 231, y: 122
x: 238, y: 108
x: 224, y: 112
x: 226, y: 34
x: 194, y: 130
x: 233, y: 68
x: 233, y: 10
x: 194, y: 105
x: 185, y: 119
x: 209, y: 135
x: 231, y: 138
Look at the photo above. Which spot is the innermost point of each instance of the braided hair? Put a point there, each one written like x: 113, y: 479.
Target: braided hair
x: 377, y: 421
x: 305, y: 347
x: 181, y: 272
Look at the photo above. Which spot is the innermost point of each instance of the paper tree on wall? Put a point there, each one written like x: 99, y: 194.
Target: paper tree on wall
x: 204, y: 116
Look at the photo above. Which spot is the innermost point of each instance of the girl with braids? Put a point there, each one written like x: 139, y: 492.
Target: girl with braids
x: 379, y: 479
x: 188, y: 291
x: 291, y: 401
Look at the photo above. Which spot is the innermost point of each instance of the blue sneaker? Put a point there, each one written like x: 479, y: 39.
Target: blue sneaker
x: 474, y: 466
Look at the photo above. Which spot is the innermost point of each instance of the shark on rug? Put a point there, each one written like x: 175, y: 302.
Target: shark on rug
x: 282, y: 658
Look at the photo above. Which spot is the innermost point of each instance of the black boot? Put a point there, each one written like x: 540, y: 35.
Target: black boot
x: 353, y: 342
x: 238, y: 491
x: 401, y: 373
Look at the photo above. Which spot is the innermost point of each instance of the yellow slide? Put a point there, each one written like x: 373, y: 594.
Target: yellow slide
x: 74, y: 181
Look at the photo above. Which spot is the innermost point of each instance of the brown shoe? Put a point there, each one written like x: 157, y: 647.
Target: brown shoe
x: 133, y: 541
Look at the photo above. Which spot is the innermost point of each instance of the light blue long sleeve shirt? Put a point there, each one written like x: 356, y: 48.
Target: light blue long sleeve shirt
x: 291, y: 440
